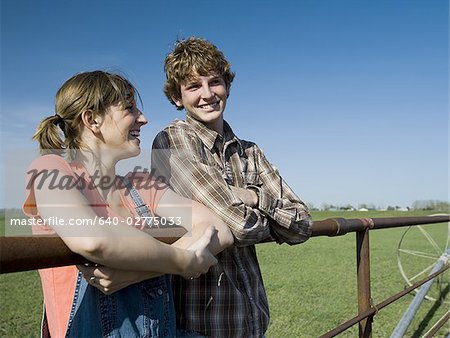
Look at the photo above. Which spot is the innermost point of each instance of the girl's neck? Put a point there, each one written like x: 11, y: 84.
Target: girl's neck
x: 101, y: 169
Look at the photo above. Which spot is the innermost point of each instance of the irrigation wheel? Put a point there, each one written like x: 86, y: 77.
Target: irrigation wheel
x: 418, y: 251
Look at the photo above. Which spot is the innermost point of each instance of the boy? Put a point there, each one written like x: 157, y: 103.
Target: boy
x: 203, y: 159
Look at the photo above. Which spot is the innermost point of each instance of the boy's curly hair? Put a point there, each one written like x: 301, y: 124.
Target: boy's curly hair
x: 191, y: 57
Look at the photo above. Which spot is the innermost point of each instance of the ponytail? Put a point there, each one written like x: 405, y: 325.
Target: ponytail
x: 48, y: 135
x: 95, y: 91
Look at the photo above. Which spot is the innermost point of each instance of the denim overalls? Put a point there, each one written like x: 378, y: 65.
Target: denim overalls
x: 144, y: 309
x: 141, y: 310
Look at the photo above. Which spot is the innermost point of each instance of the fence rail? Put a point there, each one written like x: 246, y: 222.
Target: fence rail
x: 37, y: 252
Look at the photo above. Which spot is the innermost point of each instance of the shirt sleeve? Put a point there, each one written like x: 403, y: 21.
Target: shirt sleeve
x: 291, y: 218
x: 176, y: 155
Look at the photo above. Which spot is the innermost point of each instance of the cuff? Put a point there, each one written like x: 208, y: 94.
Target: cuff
x: 266, y: 203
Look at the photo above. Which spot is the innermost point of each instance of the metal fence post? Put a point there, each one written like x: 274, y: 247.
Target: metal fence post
x: 363, y: 275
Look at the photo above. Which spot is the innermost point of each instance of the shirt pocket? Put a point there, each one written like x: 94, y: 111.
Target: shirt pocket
x: 158, y: 316
x: 214, y: 172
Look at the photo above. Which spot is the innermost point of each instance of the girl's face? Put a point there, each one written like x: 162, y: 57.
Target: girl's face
x: 120, y: 130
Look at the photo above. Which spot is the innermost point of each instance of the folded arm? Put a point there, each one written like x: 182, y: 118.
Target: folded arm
x: 278, y: 211
x: 290, y: 220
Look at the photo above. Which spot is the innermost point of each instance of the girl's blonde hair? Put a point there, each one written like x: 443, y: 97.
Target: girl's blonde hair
x: 95, y: 91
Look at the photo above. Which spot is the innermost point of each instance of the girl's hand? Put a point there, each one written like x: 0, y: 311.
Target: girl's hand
x: 203, y: 259
x: 110, y: 280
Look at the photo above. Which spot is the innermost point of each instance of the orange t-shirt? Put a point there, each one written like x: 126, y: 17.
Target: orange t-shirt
x: 58, y: 284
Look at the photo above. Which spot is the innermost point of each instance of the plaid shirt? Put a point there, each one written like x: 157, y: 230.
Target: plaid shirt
x: 230, y: 300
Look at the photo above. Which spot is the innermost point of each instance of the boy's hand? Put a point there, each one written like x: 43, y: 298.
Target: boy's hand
x: 247, y: 196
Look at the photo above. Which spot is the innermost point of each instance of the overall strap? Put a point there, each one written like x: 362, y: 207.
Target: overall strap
x: 141, y: 207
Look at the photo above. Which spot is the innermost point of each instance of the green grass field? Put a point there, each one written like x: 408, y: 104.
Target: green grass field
x: 311, y: 287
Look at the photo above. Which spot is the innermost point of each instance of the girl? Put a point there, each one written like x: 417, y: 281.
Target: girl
x: 96, y: 125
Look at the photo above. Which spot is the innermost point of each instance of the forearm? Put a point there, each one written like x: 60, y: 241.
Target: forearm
x: 289, y: 218
x: 111, y: 279
x: 115, y: 245
x: 248, y: 225
x: 220, y: 242
x: 202, y: 219
x: 130, y: 249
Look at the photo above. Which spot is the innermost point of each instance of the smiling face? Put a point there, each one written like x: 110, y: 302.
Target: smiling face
x: 120, y: 130
x: 204, y: 98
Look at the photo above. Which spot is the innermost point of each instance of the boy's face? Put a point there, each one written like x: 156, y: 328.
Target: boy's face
x: 205, y: 98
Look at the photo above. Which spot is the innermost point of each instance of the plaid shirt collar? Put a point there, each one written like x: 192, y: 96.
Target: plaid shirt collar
x: 210, y: 137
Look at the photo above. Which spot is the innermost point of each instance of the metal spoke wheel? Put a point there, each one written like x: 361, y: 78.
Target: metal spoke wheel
x: 419, y: 249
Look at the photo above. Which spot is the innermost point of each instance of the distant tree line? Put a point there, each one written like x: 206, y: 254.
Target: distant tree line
x: 430, y: 205
x: 435, y: 205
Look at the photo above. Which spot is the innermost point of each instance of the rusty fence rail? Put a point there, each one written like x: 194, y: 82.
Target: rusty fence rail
x: 38, y: 252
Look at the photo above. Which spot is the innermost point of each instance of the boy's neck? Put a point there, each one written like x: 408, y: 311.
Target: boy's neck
x: 217, y: 125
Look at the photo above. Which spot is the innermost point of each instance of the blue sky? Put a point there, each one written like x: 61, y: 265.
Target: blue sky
x: 348, y: 98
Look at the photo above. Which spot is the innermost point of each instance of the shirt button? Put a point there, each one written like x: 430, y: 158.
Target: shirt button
x: 160, y: 292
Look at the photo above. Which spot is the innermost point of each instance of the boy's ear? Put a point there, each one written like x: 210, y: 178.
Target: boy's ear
x: 91, y: 121
x: 177, y: 102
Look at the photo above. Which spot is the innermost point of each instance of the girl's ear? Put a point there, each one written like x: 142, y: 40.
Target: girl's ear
x: 91, y: 120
